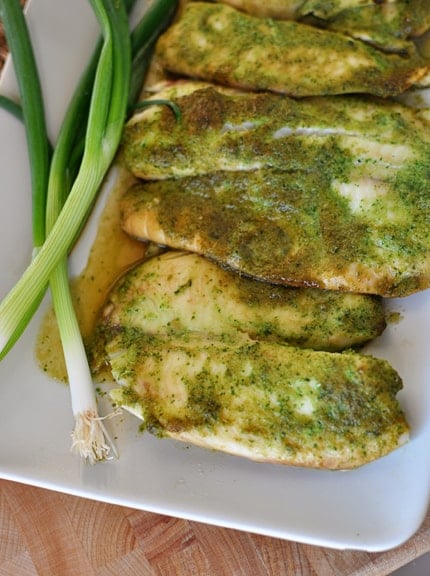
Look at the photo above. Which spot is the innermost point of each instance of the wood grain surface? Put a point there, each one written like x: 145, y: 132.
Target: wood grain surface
x: 45, y: 533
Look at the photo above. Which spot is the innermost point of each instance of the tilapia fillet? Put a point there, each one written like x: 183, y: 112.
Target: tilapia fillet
x: 292, y: 229
x: 283, y: 9
x: 179, y: 292
x: 293, y: 9
x: 224, y: 129
x: 281, y: 56
x: 260, y: 400
x: 327, y: 192
x: 387, y: 25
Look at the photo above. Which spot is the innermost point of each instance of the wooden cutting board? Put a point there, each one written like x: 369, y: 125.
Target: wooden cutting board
x: 45, y: 533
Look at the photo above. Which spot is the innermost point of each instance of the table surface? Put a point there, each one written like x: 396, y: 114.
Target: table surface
x: 47, y: 533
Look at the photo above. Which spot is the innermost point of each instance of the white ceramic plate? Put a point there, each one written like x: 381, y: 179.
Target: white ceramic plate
x: 373, y: 508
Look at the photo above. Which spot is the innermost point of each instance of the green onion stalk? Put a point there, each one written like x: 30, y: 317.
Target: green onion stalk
x: 31, y: 109
x: 12, y: 107
x: 108, y: 105
x: 72, y: 189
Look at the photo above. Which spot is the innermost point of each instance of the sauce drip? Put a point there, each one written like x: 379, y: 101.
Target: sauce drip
x: 111, y: 254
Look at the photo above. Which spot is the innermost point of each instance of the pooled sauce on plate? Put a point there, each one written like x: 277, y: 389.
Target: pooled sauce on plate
x: 111, y: 254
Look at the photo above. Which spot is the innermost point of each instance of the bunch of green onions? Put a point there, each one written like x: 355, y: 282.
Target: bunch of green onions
x: 66, y: 180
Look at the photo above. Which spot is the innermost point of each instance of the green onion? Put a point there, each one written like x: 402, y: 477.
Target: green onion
x: 19, y: 43
x: 79, y: 164
x: 31, y: 112
x: 105, y: 119
x: 160, y: 102
x: 18, y: 307
x: 105, y: 122
x: 11, y: 106
x: 156, y: 18
x: 90, y: 438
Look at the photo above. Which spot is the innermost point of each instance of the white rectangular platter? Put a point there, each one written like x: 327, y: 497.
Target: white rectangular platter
x: 373, y: 508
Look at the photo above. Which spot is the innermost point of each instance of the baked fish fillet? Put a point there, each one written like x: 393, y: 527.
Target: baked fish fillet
x: 217, y: 43
x: 179, y: 292
x: 328, y: 192
x: 280, y: 9
x: 294, y: 9
x: 299, y: 229
x: 222, y: 129
x: 260, y: 400
x: 387, y: 25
